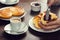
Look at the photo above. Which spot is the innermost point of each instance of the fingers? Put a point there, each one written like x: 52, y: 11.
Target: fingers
x: 52, y: 27
x: 56, y: 22
x: 52, y: 23
x: 49, y: 27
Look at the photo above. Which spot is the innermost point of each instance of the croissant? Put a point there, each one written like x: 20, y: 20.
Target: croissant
x: 8, y: 12
x: 36, y: 21
x: 5, y: 13
x: 17, y: 11
x: 40, y: 18
x: 53, y: 17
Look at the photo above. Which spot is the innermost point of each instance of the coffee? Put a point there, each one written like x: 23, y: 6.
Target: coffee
x: 35, y: 8
x: 36, y: 4
x: 49, y: 18
x: 15, y: 20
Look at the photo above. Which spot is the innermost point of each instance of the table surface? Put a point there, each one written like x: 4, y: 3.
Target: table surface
x: 30, y: 34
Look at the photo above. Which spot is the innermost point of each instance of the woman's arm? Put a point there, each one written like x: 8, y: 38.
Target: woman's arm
x: 50, y: 2
x: 53, y: 2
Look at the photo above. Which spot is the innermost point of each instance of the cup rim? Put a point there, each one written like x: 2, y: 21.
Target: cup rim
x: 14, y: 17
x: 35, y: 2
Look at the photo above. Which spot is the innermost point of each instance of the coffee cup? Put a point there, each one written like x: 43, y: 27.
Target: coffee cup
x: 35, y: 6
x: 15, y: 23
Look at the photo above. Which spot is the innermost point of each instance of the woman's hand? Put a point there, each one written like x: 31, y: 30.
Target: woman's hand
x: 51, y: 25
x: 56, y: 22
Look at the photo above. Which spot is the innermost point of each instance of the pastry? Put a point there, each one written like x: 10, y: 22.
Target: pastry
x: 36, y: 21
x: 9, y: 12
x: 17, y: 11
x: 53, y: 17
x: 5, y: 13
x: 40, y: 19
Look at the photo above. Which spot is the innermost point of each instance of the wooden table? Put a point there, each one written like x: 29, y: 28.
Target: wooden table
x: 30, y: 34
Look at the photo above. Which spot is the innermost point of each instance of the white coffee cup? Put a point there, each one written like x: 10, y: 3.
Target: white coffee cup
x: 35, y: 6
x: 15, y: 24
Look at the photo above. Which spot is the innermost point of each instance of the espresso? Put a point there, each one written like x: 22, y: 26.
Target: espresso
x: 49, y: 19
x: 37, y: 4
x: 16, y: 20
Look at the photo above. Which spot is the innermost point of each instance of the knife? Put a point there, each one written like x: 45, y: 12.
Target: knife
x: 47, y: 14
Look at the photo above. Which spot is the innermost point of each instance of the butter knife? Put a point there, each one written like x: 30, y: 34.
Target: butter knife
x: 47, y: 14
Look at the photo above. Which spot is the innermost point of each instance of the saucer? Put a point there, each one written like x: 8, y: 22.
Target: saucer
x: 7, y: 29
x: 9, y: 3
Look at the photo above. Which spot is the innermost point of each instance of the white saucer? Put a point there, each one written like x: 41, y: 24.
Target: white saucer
x: 7, y: 29
x: 9, y: 3
x: 40, y: 30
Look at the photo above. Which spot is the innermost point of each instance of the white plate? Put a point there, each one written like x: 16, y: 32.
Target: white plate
x: 40, y: 30
x: 12, y: 16
x: 9, y: 3
x: 7, y: 29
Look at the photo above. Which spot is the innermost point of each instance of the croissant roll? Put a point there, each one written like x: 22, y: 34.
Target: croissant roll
x: 5, y: 13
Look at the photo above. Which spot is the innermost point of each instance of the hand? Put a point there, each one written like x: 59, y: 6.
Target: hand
x: 51, y: 2
x: 56, y: 22
x: 51, y: 25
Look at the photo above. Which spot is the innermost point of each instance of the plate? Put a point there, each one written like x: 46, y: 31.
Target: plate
x: 12, y: 16
x: 40, y: 30
x: 7, y: 29
x: 9, y: 3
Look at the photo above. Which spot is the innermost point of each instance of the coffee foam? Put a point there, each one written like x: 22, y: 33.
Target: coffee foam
x: 15, y: 20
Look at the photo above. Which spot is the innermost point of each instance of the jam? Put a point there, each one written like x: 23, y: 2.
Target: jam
x: 36, y: 4
x: 49, y: 19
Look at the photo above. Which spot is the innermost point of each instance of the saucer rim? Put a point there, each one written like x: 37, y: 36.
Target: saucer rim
x: 11, y: 3
x: 16, y: 32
